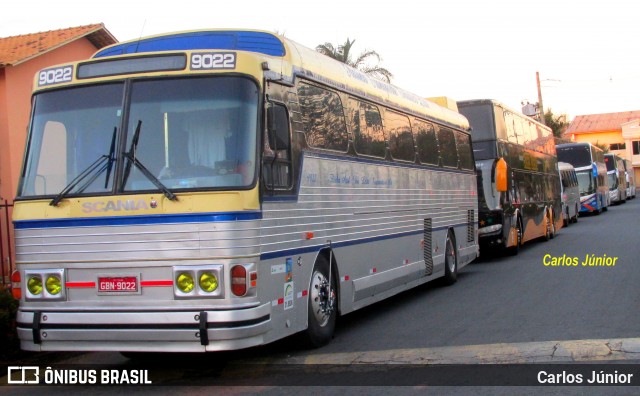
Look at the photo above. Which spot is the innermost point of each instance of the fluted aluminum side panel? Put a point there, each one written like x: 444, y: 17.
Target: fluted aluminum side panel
x: 137, y: 242
x: 348, y: 200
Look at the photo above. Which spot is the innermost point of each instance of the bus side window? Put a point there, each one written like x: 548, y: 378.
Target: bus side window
x: 448, y: 151
x: 277, y: 172
x: 427, y: 143
x: 366, y: 125
x: 463, y: 143
x: 400, y: 138
x: 323, y: 118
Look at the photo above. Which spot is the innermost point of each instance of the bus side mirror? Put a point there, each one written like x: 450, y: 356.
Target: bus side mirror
x: 501, y: 175
x: 278, y: 127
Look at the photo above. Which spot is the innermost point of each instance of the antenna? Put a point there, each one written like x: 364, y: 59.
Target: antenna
x: 140, y: 37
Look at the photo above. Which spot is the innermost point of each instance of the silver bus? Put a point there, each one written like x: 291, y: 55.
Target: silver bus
x: 219, y: 189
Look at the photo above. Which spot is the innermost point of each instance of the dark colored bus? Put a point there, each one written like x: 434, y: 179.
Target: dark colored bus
x: 588, y: 160
x: 517, y: 172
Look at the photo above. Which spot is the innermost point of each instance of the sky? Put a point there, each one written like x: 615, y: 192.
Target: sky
x: 586, y: 52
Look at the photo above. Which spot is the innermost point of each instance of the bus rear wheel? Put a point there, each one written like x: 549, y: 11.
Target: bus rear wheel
x: 322, y: 309
x: 450, y: 261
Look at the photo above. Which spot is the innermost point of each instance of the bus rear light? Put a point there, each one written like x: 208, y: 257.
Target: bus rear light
x: 253, y: 276
x: 239, y: 280
x: 16, y: 284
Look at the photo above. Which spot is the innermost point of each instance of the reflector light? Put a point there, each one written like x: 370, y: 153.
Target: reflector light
x: 16, y: 284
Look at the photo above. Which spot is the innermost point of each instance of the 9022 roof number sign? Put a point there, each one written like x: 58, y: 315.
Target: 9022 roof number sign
x: 55, y: 75
x: 213, y: 60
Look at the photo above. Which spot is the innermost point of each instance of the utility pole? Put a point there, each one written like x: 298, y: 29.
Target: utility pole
x: 541, y: 109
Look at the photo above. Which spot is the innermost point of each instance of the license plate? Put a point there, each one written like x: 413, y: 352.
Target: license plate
x: 118, y: 284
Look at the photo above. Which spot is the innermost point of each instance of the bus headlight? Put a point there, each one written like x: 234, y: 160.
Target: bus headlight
x: 202, y: 281
x: 185, y: 282
x: 34, y: 285
x: 53, y: 285
x: 45, y: 285
x: 208, y: 282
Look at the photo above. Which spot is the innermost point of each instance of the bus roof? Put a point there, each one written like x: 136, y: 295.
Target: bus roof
x: 493, y: 102
x: 291, y: 60
x: 576, y: 144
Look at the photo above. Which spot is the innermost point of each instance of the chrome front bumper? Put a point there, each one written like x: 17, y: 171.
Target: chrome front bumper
x: 144, y: 331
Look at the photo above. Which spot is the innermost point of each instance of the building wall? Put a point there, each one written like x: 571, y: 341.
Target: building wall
x: 631, y: 133
x: 16, y: 83
x: 606, y: 138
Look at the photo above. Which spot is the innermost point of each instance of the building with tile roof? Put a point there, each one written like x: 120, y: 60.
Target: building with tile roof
x: 21, y: 57
x: 620, y: 132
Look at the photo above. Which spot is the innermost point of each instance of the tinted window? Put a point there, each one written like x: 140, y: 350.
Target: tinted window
x: 366, y: 124
x: 400, y: 137
x: 323, y: 118
x: 427, y: 143
x: 576, y: 155
x: 463, y: 143
x: 447, y: 142
x: 480, y: 118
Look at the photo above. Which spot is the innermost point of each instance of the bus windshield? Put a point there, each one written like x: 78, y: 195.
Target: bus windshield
x: 586, y: 182
x: 578, y: 155
x: 188, y: 133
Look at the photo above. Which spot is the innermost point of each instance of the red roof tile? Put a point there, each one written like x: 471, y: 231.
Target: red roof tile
x: 17, y: 49
x: 601, y: 122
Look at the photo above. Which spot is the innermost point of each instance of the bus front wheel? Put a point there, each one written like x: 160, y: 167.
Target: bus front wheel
x: 322, y: 310
x: 513, y: 250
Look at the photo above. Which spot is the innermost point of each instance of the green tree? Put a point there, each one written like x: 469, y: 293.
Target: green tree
x: 557, y: 123
x: 342, y: 53
x: 603, y: 146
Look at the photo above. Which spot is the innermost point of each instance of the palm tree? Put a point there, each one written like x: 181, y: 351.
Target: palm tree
x: 342, y: 53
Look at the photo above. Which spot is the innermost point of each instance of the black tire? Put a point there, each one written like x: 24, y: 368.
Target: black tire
x: 450, y: 261
x: 575, y: 218
x: 322, y: 306
x: 565, y: 222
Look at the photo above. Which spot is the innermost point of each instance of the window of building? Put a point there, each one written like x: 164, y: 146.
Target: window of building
x: 617, y: 146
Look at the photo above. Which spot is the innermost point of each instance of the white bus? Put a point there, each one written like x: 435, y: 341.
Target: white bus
x: 631, y: 179
x: 570, y: 191
x: 220, y: 189
x: 617, y: 179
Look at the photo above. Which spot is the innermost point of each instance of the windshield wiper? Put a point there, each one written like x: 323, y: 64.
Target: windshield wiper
x: 104, y: 162
x: 131, y: 156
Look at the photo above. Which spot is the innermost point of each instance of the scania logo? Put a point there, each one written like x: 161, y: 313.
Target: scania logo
x: 114, y: 206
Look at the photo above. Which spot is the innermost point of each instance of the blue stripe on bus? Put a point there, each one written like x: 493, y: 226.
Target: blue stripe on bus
x: 261, y: 42
x: 316, y: 248
x: 138, y: 220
